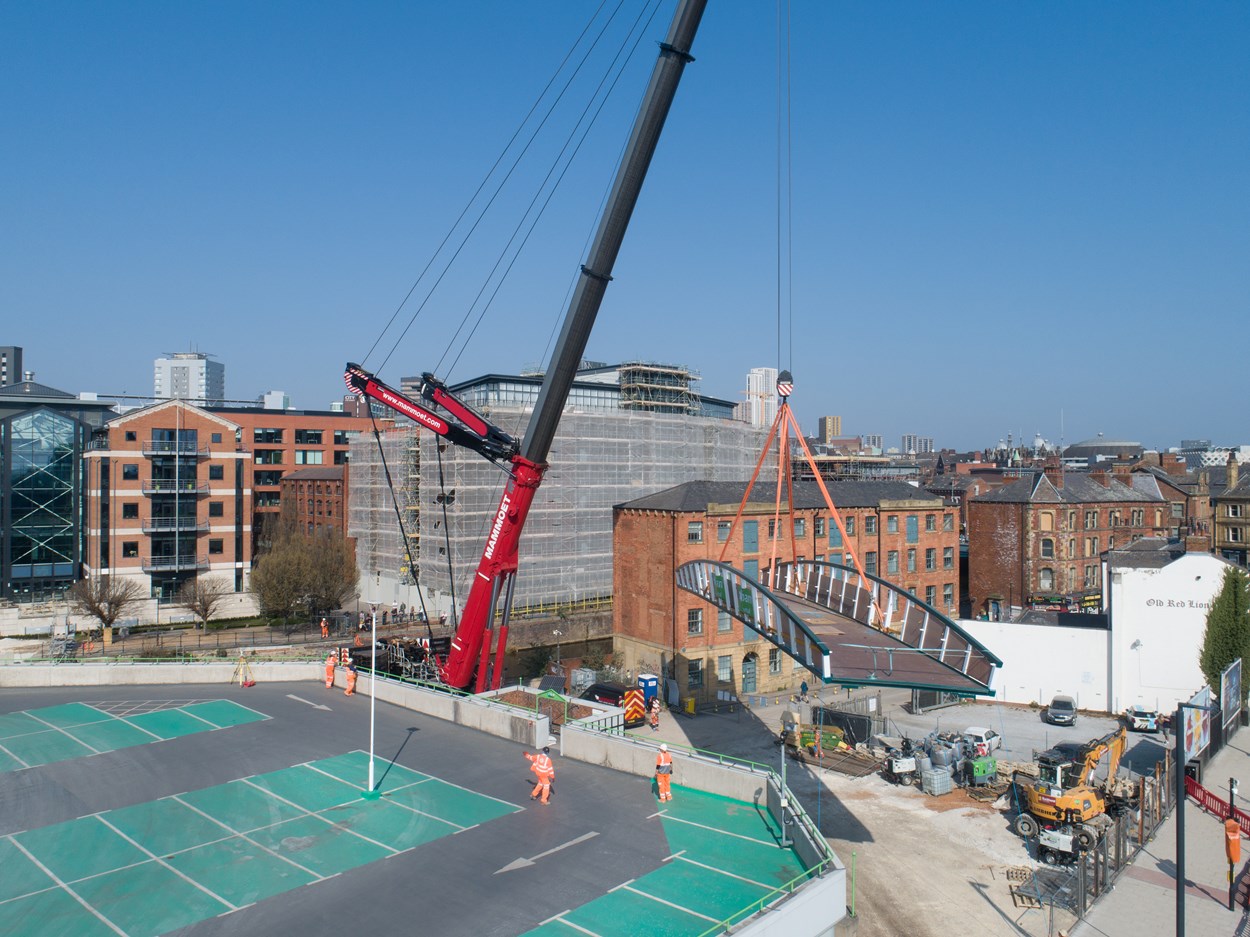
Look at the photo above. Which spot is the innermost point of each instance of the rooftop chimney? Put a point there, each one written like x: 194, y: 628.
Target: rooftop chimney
x: 1102, y: 476
x: 1197, y: 543
x: 1232, y: 470
x: 1173, y: 464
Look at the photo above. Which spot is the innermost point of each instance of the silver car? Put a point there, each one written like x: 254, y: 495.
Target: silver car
x: 1061, y: 711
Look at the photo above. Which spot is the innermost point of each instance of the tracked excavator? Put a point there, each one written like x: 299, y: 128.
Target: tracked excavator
x: 1066, y: 801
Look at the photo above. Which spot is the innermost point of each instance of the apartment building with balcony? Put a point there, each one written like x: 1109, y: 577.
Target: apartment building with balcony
x: 168, y: 499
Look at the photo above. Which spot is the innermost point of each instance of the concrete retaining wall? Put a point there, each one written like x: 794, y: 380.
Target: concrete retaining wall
x: 126, y: 674
x: 497, y: 719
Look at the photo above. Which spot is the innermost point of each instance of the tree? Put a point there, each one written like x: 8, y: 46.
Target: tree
x: 1227, y: 634
x: 203, y: 594
x: 301, y: 572
x: 104, y: 598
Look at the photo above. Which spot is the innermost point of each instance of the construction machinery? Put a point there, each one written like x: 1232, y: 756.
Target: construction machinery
x: 524, y: 461
x: 1065, y: 797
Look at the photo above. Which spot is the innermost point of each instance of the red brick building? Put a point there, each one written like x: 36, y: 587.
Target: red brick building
x: 1039, y: 540
x: 317, y: 498
x: 899, y: 533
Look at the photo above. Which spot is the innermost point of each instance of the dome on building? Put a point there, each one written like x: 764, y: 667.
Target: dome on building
x: 1100, y: 445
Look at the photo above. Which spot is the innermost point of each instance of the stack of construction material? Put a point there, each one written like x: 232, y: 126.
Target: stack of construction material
x: 936, y: 781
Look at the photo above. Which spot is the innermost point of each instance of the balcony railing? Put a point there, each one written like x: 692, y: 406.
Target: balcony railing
x: 157, y: 564
x: 170, y: 447
x: 156, y: 525
x: 169, y: 486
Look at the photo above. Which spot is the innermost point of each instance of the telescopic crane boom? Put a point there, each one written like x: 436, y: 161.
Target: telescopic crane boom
x: 496, y: 570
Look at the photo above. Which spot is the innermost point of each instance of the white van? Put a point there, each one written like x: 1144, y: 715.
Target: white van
x: 983, y: 741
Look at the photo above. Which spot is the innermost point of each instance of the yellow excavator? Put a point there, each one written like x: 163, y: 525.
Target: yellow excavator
x: 1065, y: 797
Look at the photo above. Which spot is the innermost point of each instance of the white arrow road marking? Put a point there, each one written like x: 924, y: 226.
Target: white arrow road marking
x: 524, y: 863
x: 300, y: 699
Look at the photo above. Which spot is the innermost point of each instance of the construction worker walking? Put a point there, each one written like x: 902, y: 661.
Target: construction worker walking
x: 541, y: 765
x: 663, y: 772
x: 330, y: 671
x: 655, y: 714
x: 325, y: 628
x: 351, y: 679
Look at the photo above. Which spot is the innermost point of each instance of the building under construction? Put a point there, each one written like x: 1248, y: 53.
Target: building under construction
x: 609, y: 449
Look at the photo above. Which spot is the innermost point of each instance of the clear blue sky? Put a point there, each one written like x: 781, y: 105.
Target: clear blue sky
x: 1001, y: 212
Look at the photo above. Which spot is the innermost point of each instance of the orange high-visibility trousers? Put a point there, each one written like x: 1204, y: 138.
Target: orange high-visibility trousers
x: 329, y: 673
x: 661, y: 781
x: 351, y: 683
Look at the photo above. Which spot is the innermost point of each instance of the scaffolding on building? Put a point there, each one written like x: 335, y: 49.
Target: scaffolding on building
x: 658, y: 388
x: 599, y: 458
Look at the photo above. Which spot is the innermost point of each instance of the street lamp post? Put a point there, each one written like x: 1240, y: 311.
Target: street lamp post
x: 1182, y: 756
x: 557, y: 633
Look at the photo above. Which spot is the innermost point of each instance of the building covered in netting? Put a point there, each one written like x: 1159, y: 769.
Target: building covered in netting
x: 604, y: 453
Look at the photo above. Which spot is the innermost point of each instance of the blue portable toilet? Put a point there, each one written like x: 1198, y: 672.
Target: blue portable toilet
x: 649, y: 683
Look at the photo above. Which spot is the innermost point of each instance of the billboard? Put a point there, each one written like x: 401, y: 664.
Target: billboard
x: 1230, y: 692
x: 1195, y: 734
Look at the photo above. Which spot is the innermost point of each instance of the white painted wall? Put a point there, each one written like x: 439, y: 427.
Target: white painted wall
x: 1042, y: 660
x: 1163, y: 609
x: 1166, y: 611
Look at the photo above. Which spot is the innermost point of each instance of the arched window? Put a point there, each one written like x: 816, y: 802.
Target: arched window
x: 1048, y: 548
x: 1046, y: 579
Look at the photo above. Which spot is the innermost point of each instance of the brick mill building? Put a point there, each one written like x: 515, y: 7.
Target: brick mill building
x: 899, y: 533
x: 1039, y: 541
x: 317, y: 498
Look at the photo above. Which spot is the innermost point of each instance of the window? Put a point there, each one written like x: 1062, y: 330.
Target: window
x: 1072, y: 548
x: 216, y: 437
x: 1091, y: 577
x: 310, y: 506
x: 723, y: 622
x: 948, y: 522
x: 343, y: 437
x: 1046, y: 520
x: 1046, y: 579
x: 800, y: 528
x: 1234, y: 535
x: 1071, y: 520
x: 267, y: 457
x: 1113, y: 519
x: 1048, y: 548
x: 130, y: 548
x: 772, y: 528
x: 267, y: 478
x: 930, y: 595
x: 835, y: 536
x: 216, y: 546
x: 891, y: 524
x: 216, y: 473
x: 308, y: 437
x: 870, y: 562
x: 1091, y: 520
x: 911, y: 560
x: 1138, y: 517
x: 849, y: 524
x: 341, y: 457
x: 930, y: 558
x: 774, y: 660
x: 268, y: 436
x: 308, y: 456
x: 694, y: 674
x: 1233, y: 510
x: 1091, y: 546
x: 948, y: 595
x: 891, y: 562
x: 694, y: 621
x: 930, y: 522
x: 818, y: 527
x: 216, y: 509
x: 1178, y: 509
x: 722, y: 530
x: 694, y: 532
x: 724, y: 668
x: 131, y: 510
x: 130, y: 472
x: 131, y: 436
x: 948, y: 557
x: 870, y: 524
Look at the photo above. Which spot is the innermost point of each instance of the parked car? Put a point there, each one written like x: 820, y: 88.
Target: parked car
x: 1141, y: 719
x: 1061, y: 711
x: 983, y: 741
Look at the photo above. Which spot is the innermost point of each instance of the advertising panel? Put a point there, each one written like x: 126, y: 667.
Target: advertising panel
x: 1196, y: 732
x: 1230, y: 692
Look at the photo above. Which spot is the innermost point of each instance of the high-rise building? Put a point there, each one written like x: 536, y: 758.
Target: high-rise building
x: 829, y: 428
x: 190, y: 375
x: 10, y: 365
x: 918, y: 445
x: 874, y: 441
x: 760, y: 406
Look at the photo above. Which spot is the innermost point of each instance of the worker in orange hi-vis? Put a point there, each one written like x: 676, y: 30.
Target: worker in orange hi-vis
x: 655, y: 714
x: 664, y: 772
x: 351, y: 679
x: 546, y: 771
x: 325, y: 628
x: 330, y: 671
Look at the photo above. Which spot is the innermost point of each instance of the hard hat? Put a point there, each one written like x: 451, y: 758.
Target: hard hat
x: 663, y: 748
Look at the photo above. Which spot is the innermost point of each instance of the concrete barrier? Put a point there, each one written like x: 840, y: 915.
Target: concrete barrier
x: 498, y: 719
x: 116, y: 673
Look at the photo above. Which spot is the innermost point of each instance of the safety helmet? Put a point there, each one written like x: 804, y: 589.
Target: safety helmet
x: 663, y: 748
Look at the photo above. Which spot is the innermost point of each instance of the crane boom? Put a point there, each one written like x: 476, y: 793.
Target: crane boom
x: 497, y: 567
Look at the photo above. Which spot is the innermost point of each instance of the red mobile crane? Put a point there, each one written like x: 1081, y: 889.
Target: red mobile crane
x: 527, y: 462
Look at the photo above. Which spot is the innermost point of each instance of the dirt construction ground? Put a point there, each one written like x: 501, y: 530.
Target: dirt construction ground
x: 923, y: 866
